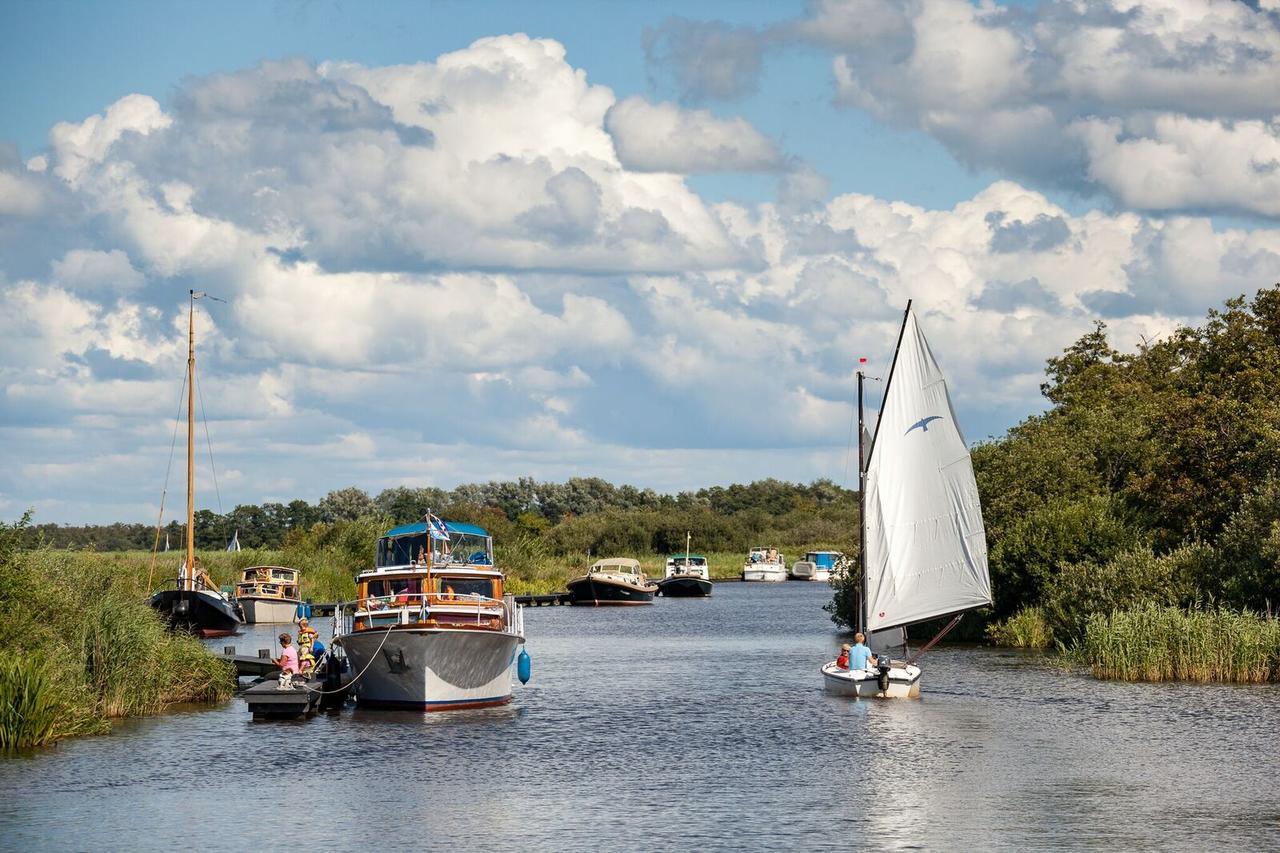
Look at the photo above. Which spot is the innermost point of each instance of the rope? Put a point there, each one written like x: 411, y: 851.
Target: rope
x: 932, y: 642
x: 155, y: 546
x: 372, y: 658
x: 209, y: 443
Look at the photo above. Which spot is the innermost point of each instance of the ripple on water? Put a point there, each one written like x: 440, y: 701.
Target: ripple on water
x: 691, y: 723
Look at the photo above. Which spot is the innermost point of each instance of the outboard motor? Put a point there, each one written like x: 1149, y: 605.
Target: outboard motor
x: 884, y: 666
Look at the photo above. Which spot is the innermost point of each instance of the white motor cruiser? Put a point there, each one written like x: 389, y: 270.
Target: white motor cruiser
x: 764, y: 564
x: 924, y: 551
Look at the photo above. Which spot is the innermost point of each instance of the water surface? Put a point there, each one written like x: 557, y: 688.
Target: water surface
x: 691, y: 723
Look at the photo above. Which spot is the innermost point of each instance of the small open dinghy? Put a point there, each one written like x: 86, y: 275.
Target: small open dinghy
x: 924, y: 550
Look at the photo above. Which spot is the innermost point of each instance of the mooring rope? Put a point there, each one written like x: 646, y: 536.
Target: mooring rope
x: 329, y: 653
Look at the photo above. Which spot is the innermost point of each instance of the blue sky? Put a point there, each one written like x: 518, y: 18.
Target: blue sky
x: 647, y: 242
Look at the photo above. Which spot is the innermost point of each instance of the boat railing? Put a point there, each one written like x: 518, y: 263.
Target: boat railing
x: 409, y: 608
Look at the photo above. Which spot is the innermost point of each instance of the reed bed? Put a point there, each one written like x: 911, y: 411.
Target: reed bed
x: 1153, y: 643
x: 81, y: 646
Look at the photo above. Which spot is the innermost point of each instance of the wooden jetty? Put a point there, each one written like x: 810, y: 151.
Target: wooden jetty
x: 552, y: 600
x: 249, y: 665
x: 267, y: 700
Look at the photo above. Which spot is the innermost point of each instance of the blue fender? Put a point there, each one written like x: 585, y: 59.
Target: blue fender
x: 523, y: 667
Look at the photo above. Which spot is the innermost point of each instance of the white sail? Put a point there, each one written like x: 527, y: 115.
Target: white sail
x: 926, y: 552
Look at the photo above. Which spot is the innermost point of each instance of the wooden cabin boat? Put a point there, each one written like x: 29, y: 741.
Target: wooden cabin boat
x: 615, y: 581
x: 686, y: 576
x: 268, y: 594
x: 431, y: 627
x: 764, y: 564
x: 191, y: 601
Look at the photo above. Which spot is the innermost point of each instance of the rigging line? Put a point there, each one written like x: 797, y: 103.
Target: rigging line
x: 848, y: 448
x: 155, y: 547
x: 209, y: 443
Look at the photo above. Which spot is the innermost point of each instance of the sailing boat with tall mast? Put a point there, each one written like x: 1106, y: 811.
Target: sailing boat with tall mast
x: 924, y: 551
x: 192, y: 601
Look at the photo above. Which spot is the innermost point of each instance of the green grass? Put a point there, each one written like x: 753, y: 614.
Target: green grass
x: 1154, y: 643
x: 1026, y: 629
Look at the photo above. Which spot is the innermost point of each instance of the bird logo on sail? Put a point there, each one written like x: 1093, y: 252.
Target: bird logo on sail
x: 923, y: 423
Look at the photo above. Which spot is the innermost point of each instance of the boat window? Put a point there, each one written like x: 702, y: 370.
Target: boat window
x: 395, y: 586
x: 401, y: 550
x: 465, y: 586
x: 291, y: 592
x: 282, y: 574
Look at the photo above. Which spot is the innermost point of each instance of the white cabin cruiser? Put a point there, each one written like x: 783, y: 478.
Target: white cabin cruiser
x: 924, y: 549
x: 764, y: 564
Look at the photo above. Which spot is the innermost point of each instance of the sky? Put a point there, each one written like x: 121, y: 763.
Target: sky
x: 460, y: 242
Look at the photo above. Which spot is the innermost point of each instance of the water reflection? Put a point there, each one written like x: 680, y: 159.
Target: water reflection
x: 691, y: 723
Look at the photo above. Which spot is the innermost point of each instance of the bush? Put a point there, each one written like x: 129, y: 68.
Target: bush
x: 1026, y: 629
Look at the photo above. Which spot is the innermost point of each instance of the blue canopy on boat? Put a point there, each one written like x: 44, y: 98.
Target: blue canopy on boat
x: 421, y: 527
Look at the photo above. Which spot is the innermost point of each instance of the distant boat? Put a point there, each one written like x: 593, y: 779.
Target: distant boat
x: 764, y: 564
x: 686, y: 575
x: 924, y: 551
x: 192, y: 601
x: 268, y: 594
x: 432, y: 627
x: 816, y: 566
x: 617, y: 581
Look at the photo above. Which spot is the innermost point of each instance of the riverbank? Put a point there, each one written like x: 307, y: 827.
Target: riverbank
x: 79, y: 647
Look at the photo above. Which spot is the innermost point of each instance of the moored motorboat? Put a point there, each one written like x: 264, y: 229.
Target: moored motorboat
x: 685, y: 576
x: 268, y: 594
x: 816, y: 566
x: 764, y: 564
x: 615, y: 581
x: 924, y: 549
x: 431, y: 627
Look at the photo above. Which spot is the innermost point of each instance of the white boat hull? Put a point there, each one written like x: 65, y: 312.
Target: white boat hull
x: 904, y: 682
x: 806, y: 571
x: 769, y: 572
x: 434, y: 669
x: 267, y: 610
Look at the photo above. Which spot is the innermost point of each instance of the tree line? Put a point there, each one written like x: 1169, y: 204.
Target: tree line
x: 583, y: 514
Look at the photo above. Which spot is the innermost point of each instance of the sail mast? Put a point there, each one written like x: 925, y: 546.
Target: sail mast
x: 862, y: 513
x: 889, y: 382
x: 189, y: 581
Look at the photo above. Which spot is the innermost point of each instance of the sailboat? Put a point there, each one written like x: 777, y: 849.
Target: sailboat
x: 924, y: 551
x: 192, y: 601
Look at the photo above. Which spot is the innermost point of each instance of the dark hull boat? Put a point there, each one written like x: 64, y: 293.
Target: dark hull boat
x: 684, y: 586
x: 197, y: 611
x: 600, y: 592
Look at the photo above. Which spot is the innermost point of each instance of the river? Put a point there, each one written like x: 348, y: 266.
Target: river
x: 694, y: 723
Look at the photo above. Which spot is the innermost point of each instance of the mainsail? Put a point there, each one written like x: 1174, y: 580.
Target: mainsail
x: 926, y: 553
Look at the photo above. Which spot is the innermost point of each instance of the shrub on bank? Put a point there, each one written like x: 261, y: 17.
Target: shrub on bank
x: 1026, y: 629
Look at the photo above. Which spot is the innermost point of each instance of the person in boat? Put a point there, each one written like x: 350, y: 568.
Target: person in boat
x: 288, y: 660
x: 843, y: 660
x: 859, y: 656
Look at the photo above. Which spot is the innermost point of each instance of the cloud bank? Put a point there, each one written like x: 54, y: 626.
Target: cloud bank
x: 485, y: 266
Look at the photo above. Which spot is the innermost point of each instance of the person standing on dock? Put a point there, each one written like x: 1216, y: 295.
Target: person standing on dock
x: 306, y: 637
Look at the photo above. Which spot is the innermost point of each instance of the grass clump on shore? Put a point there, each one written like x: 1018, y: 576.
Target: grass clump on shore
x: 1154, y: 643
x: 81, y: 646
x: 1026, y: 629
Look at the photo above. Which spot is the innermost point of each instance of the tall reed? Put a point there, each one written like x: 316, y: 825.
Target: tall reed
x: 28, y: 706
x: 1153, y: 643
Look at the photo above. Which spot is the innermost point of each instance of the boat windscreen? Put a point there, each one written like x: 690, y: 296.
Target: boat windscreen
x: 465, y: 586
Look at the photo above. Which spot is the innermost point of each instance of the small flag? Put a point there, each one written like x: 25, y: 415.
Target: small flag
x: 862, y: 361
x: 437, y: 528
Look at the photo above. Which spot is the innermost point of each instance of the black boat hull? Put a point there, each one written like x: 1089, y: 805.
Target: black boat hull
x: 684, y: 586
x: 593, y: 592
x: 199, y: 612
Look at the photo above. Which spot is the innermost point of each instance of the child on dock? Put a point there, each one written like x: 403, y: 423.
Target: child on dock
x: 288, y: 660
